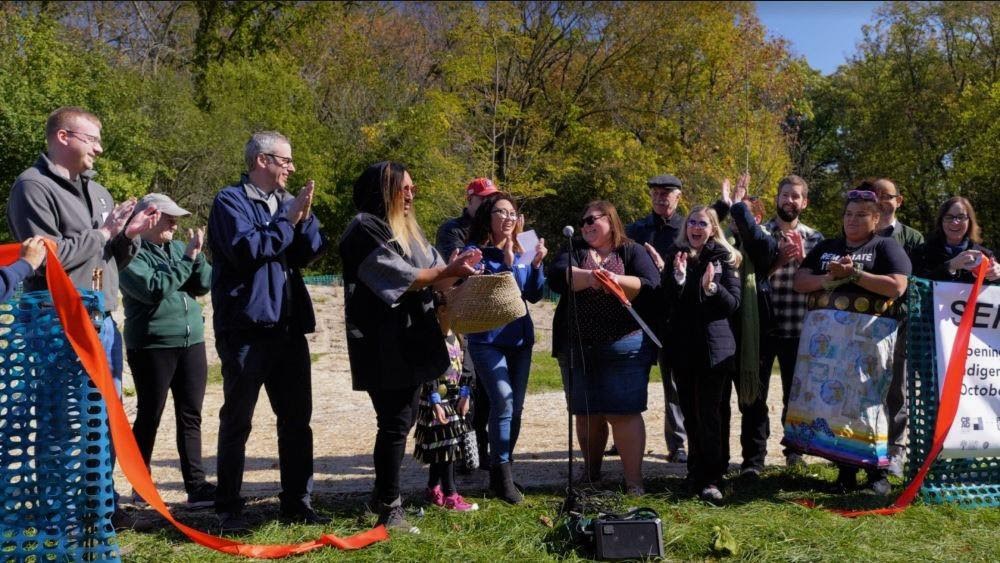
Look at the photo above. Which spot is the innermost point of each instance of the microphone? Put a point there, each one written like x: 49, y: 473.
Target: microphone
x: 568, y: 231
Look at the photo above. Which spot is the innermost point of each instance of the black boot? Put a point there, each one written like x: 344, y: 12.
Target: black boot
x: 502, y: 484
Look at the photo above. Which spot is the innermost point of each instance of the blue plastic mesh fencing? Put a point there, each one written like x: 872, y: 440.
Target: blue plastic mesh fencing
x: 55, y: 457
x: 966, y: 482
x: 330, y: 279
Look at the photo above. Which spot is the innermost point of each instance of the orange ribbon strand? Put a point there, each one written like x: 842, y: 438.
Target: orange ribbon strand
x: 83, y: 338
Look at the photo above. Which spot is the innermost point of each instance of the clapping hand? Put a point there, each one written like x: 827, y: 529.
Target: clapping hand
x: 727, y: 187
x: 680, y: 263
x: 655, y: 257
x: 116, y: 220
x: 508, y: 252
x: 196, y: 241
x: 540, y: 252
x: 142, y: 222
x: 841, y: 268
x: 708, y: 277
x: 462, y: 265
x: 300, y: 208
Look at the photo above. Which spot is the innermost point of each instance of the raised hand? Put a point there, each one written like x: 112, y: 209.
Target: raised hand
x: 33, y: 251
x: 540, y: 252
x: 142, y: 222
x: 742, y: 185
x: 727, y: 188
x: 681, y: 262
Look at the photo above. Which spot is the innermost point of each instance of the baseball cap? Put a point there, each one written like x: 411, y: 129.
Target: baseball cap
x: 481, y: 187
x: 163, y: 204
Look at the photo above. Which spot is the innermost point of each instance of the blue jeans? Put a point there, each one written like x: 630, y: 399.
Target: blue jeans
x: 503, y: 371
x: 111, y: 341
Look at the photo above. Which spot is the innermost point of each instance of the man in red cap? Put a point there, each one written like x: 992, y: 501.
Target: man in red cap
x: 453, y: 232
x: 451, y: 236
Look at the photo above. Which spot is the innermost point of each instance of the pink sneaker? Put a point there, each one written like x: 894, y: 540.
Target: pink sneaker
x: 435, y: 496
x: 457, y: 503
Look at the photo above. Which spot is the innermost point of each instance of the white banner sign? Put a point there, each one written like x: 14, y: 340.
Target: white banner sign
x: 976, y: 430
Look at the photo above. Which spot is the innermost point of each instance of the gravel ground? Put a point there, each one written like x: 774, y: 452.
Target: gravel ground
x: 343, y: 425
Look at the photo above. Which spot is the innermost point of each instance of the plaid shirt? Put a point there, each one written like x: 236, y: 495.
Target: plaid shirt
x: 789, y: 306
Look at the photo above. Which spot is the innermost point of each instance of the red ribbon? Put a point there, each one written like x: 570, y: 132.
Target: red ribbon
x: 83, y: 338
x: 948, y: 406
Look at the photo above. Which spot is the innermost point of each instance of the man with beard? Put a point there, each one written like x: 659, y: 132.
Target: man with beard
x: 795, y: 241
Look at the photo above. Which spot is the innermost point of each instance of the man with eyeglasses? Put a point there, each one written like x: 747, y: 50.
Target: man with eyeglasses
x: 453, y: 235
x: 889, y: 201
x: 658, y: 230
x: 57, y: 198
x: 261, y: 236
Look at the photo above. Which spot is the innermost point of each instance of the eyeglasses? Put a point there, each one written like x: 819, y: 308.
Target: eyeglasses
x: 89, y: 139
x: 698, y: 223
x: 506, y: 215
x: 282, y: 161
x: 956, y: 218
x: 590, y: 219
x: 412, y: 189
x: 861, y: 194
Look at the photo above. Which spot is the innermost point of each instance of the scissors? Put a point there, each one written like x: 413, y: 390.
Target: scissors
x: 614, y: 289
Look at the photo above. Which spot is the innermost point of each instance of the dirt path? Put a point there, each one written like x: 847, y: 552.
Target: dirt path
x: 343, y: 425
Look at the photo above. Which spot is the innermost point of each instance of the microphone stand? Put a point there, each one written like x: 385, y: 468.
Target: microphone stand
x: 571, y: 504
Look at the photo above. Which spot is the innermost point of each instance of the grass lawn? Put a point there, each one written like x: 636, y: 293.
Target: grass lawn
x: 761, y: 518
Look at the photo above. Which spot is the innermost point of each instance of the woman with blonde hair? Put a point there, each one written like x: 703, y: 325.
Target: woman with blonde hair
x: 702, y: 293
x: 394, y: 341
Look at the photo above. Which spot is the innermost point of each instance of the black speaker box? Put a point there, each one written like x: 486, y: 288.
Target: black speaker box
x: 627, y: 539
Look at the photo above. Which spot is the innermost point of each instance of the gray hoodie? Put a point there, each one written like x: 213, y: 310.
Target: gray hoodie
x: 45, y: 203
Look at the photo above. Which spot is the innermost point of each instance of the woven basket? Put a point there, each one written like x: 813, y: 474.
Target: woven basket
x: 485, y: 302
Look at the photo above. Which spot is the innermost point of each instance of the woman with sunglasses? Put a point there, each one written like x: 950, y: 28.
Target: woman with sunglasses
x: 502, y: 356
x: 837, y: 404
x: 611, y: 356
x: 953, y: 251
x: 701, y: 288
x: 394, y: 341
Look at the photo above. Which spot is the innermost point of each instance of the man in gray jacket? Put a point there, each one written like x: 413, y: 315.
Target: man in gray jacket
x: 58, y: 199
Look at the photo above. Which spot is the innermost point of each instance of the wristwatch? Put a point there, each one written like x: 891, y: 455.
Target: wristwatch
x: 712, y: 289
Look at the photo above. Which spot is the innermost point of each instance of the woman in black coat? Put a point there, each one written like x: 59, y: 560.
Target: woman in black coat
x: 953, y: 251
x: 702, y: 293
x: 394, y: 341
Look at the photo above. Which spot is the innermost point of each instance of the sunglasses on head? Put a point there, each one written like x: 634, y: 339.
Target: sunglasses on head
x: 590, y: 219
x: 861, y: 194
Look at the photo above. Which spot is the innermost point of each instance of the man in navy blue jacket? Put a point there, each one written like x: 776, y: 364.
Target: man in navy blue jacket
x: 261, y: 236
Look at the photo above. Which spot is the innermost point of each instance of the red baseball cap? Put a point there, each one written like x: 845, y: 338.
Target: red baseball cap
x: 481, y: 187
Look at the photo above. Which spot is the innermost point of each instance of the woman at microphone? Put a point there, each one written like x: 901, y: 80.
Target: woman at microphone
x: 607, y: 381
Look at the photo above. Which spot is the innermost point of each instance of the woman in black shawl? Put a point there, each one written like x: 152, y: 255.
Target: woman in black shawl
x: 393, y: 338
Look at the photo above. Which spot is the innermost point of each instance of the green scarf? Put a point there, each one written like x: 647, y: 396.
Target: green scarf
x: 748, y: 377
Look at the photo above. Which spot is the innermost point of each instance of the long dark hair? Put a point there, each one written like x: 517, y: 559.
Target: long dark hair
x: 973, y: 233
x: 377, y: 192
x: 481, y: 233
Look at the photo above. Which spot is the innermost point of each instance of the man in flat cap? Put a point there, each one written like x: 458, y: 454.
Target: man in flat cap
x: 658, y: 231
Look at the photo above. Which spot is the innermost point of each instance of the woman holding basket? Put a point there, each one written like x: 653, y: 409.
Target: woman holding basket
x: 503, y: 355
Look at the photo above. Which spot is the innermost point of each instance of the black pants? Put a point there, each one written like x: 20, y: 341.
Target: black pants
x: 701, y: 392
x: 280, y: 362
x: 673, y: 422
x: 756, y: 426
x: 183, y: 372
x: 395, y: 414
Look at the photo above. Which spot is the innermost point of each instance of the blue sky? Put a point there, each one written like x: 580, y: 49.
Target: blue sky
x: 825, y: 33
